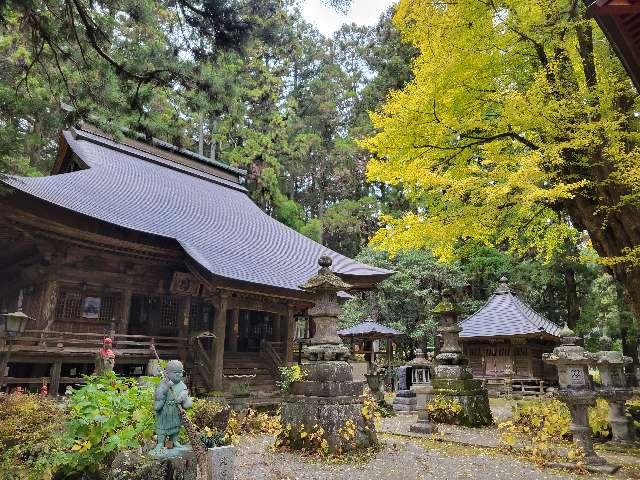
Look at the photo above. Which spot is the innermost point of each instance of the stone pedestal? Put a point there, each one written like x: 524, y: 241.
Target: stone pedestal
x: 453, y: 380
x: 405, y: 401
x: 424, y: 425
x: 328, y: 403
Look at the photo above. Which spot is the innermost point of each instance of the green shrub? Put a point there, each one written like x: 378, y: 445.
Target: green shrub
x: 288, y: 375
x: 106, y: 415
x: 30, y: 431
x: 443, y: 410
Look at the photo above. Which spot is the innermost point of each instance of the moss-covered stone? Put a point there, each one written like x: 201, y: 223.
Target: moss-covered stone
x: 470, y: 395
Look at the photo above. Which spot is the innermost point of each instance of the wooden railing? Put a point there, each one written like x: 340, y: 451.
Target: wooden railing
x: 272, y: 356
x: 40, y: 341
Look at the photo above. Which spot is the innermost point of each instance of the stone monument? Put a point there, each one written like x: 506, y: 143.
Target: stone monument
x: 614, y: 389
x: 405, y: 399
x: 576, y: 391
x: 327, y: 398
x: 452, y: 380
x: 171, y: 395
x: 421, y: 385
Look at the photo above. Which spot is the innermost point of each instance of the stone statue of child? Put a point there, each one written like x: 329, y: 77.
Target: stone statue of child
x: 170, y: 395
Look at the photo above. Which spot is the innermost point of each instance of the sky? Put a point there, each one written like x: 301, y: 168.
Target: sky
x: 327, y: 20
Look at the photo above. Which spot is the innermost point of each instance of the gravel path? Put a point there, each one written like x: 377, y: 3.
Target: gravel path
x: 399, y: 459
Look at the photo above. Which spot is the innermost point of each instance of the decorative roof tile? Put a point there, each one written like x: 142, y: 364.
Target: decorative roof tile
x: 212, y: 218
x: 505, y: 315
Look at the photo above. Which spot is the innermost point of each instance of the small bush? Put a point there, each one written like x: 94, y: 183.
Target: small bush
x: 30, y: 432
x: 288, y: 375
x: 443, y: 410
x: 106, y: 415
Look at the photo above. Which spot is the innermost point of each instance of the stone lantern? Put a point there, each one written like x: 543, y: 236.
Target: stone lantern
x: 327, y: 399
x: 614, y: 389
x: 421, y: 385
x: 576, y: 391
x: 452, y: 379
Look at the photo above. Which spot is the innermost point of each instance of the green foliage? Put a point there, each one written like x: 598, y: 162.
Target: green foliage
x: 548, y: 421
x: 214, y: 438
x: 106, y: 415
x: 443, y: 410
x: 288, y: 375
x: 30, y: 433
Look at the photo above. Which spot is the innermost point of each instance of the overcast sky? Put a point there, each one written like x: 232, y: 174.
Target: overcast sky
x: 327, y: 20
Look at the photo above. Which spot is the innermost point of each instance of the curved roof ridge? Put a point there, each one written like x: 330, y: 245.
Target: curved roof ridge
x: 525, y: 308
x: 216, y: 224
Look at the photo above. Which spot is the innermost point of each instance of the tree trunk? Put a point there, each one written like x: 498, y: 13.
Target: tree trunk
x: 612, y: 225
x: 573, y: 306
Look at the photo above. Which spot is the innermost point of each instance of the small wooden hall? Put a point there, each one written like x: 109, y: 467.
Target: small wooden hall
x: 507, y: 337
x: 149, y: 244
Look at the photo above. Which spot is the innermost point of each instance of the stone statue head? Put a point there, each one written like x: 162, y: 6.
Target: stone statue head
x: 174, y: 371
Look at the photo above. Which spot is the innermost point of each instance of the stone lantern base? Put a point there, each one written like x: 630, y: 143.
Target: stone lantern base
x: 470, y: 395
x: 328, y: 401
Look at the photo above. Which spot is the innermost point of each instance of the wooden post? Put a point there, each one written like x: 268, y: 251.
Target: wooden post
x: 234, y: 330
x: 219, y: 327
x: 276, y: 324
x: 4, y: 361
x: 56, y: 370
x: 125, y: 308
x: 288, y: 348
x: 48, y: 304
x: 389, y: 351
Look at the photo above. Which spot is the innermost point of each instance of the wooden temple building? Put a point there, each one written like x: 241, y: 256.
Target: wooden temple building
x: 150, y: 245
x: 506, y: 338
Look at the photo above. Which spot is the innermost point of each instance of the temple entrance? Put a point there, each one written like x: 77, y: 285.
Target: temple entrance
x: 252, y: 330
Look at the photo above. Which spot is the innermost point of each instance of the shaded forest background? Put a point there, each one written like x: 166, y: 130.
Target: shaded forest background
x: 250, y: 83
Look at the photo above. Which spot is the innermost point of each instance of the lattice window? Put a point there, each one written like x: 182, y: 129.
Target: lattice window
x: 107, y: 309
x: 169, y: 307
x: 196, y: 320
x: 69, y: 305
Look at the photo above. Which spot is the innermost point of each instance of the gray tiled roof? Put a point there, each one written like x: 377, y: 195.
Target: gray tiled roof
x: 213, y: 219
x: 369, y: 328
x: 505, y: 315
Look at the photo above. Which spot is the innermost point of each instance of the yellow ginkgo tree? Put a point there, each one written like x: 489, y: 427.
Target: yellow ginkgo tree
x: 519, y: 126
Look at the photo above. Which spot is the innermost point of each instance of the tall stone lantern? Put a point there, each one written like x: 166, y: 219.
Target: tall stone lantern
x: 576, y: 391
x: 614, y: 389
x: 453, y: 381
x: 327, y: 401
x: 421, y: 385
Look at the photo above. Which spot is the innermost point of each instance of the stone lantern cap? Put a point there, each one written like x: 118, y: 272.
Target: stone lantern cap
x: 420, y: 361
x: 569, y: 352
x: 612, y: 357
x: 325, y: 279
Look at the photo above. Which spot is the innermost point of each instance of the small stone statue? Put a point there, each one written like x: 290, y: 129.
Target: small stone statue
x: 105, y: 358
x: 171, y: 395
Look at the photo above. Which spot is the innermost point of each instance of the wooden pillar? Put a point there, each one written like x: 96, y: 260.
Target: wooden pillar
x: 290, y: 326
x: 219, y: 327
x: 275, y: 334
x: 48, y: 304
x: 234, y: 330
x: 4, y: 361
x: 56, y: 370
x: 183, y: 316
x: 389, y: 351
x: 125, y: 309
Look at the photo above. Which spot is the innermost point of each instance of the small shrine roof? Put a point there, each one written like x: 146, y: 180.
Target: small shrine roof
x: 505, y: 315
x: 368, y: 329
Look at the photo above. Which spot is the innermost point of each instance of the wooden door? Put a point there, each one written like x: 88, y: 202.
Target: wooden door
x: 497, y: 359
